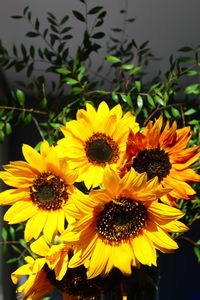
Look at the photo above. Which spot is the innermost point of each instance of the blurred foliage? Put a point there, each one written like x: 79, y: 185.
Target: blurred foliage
x: 120, y: 78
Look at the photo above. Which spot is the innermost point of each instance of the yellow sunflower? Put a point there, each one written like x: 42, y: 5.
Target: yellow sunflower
x: 123, y: 225
x: 163, y: 153
x: 96, y: 139
x: 42, y: 186
x: 41, y: 280
x: 36, y: 286
x: 74, y: 285
x: 56, y: 253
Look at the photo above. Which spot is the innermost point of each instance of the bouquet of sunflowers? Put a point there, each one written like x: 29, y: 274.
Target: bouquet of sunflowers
x: 103, y: 193
x: 82, y: 241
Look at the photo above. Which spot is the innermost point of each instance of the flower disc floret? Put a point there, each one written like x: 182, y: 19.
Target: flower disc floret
x: 49, y: 191
x: 121, y: 219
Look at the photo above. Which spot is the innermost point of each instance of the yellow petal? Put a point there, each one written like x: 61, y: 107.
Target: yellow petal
x: 160, y: 238
x: 144, y: 250
x: 32, y: 157
x: 165, y: 211
x: 40, y: 246
x: 111, y: 181
x: 13, y: 195
x: 50, y: 226
x: 35, y: 225
x: 44, y: 148
x: 19, y: 212
x: 98, y: 260
x: 122, y: 256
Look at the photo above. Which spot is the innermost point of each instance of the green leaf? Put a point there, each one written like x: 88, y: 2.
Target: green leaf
x: 4, y: 234
x: 22, y: 243
x: 16, y: 17
x: 12, y: 260
x: 78, y: 15
x: 139, y: 102
x: 43, y: 102
x: 32, y: 34
x: 131, y: 20
x: 159, y: 100
x: 167, y: 115
x: 191, y: 73
x: 12, y: 232
x: 151, y: 101
x: 16, y: 249
x: 63, y: 71
x: 175, y: 112
x: 28, y: 118
x: 115, y: 97
x: 136, y: 70
x: 197, y: 253
x: 20, y: 97
x: 98, y: 35
x: 186, y: 59
x: 8, y: 129
x: 112, y: 59
x: 117, y: 29
x: 95, y: 10
x: 64, y: 20
x: 192, y: 89
x: 70, y: 80
x: 127, y: 67
x: 190, y: 111
x: 2, y: 136
x: 76, y: 90
x: 127, y: 99
x: 138, y: 85
x: 185, y: 49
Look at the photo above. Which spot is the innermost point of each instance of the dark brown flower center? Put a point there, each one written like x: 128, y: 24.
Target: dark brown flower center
x: 75, y: 282
x: 121, y: 219
x: 101, y: 149
x: 48, y: 191
x: 155, y: 162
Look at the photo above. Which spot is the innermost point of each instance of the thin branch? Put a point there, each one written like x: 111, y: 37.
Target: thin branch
x: 29, y: 110
x: 38, y: 128
x: 9, y: 242
x: 159, y: 108
x: 190, y: 241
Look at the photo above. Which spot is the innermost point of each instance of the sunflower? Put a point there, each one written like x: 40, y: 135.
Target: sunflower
x: 96, y: 139
x: 41, y: 280
x: 42, y: 186
x: 74, y: 285
x: 56, y: 253
x: 123, y: 225
x: 163, y: 153
x: 36, y: 286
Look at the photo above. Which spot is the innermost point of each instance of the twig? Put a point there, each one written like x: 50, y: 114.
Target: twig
x: 29, y: 110
x: 38, y: 127
x: 190, y: 241
x: 160, y: 108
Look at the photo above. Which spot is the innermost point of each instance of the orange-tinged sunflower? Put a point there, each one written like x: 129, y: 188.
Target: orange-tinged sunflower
x: 36, y: 286
x: 42, y: 281
x: 123, y: 225
x: 42, y: 186
x: 96, y: 139
x: 163, y: 153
